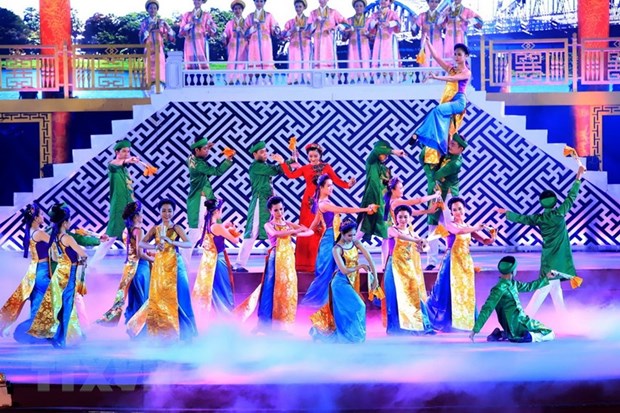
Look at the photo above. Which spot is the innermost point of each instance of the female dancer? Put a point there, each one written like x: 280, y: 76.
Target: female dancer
x: 452, y: 304
x: 214, y: 281
x: 306, y: 248
x: 405, y: 290
x: 325, y: 21
x: 235, y: 42
x: 56, y: 318
x: 385, y: 23
x: 196, y: 27
x: 343, y: 318
x: 435, y: 128
x: 136, y: 274
x: 300, y: 43
x: 153, y: 33
x: 259, y: 27
x: 429, y: 23
x: 358, y: 33
x: 276, y: 295
x: 327, y: 217
x: 37, y: 278
x: 167, y: 313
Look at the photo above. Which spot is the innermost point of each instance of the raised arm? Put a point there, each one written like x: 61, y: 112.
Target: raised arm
x: 184, y: 243
x: 436, y: 55
x: 487, y: 309
x: 146, y: 241
x: 274, y: 233
x: 219, y: 229
x: 570, y: 198
x: 453, y: 228
x: 288, y: 172
x: 394, y: 233
x: 336, y: 179
x: 371, y: 265
x: 327, y: 206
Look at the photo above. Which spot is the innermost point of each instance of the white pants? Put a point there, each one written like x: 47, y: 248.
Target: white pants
x: 555, y: 289
x: 248, y: 243
x: 101, y: 252
x: 194, y: 234
x: 432, y: 256
x: 538, y: 337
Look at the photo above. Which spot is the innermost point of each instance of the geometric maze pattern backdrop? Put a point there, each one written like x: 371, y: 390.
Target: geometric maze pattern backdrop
x: 500, y: 167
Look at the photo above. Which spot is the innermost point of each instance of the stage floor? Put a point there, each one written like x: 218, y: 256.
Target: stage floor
x: 228, y: 368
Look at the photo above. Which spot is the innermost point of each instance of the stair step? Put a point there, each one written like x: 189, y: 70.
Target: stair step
x: 64, y: 169
x: 41, y: 185
x: 614, y: 190
x: 22, y: 198
x: 101, y: 142
x: 121, y: 127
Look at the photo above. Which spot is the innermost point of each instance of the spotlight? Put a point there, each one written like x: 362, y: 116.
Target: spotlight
x: 5, y: 392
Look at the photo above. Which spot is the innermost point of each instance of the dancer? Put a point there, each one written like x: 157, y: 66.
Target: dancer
x: 200, y: 188
x: 167, y: 313
x: 307, y: 247
x: 385, y: 24
x: 517, y: 327
x: 134, y: 284
x: 276, y: 295
x: 435, y: 128
x: 258, y: 213
x: 297, y: 32
x: 121, y: 194
x: 343, y: 318
x: 556, y: 251
x: 455, y: 22
x: 153, y: 33
x: 236, y: 43
x: 34, y: 284
x: 196, y: 27
x: 325, y: 21
x: 259, y: 27
x: 358, y: 32
x: 430, y: 24
x: 404, y: 286
x: 452, y: 304
x: 327, y: 217
x: 214, y: 282
x: 377, y: 178
x: 57, y: 318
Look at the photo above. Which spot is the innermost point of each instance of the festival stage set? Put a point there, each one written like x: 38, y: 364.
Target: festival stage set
x: 230, y: 366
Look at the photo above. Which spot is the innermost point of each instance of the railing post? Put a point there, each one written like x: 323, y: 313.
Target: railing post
x: 174, y: 70
x: 575, y: 62
x: 482, y: 64
x: 65, y: 69
x: 157, y: 71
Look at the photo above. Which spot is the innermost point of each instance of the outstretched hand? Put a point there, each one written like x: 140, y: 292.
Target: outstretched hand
x: 278, y: 158
x: 500, y: 210
x: 580, y: 171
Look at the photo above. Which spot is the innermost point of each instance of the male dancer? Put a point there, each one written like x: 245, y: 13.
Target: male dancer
x: 200, y: 188
x: 258, y: 214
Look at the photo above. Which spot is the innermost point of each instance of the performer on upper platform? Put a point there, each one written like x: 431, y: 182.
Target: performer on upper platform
x: 259, y: 27
x: 429, y: 23
x: 452, y: 304
x: 213, y: 290
x: 236, y: 43
x: 200, y: 189
x: 121, y: 194
x: 556, y: 251
x: 297, y: 31
x: 306, y: 248
x: 385, y: 23
x: 325, y: 21
x: 328, y: 219
x: 455, y: 22
x: 167, y: 313
x: 258, y: 214
x: 34, y: 284
x: 153, y: 33
x: 343, y: 318
x: 134, y: 284
x: 276, y: 295
x: 196, y: 27
x: 358, y: 34
x: 404, y: 286
x: 504, y: 299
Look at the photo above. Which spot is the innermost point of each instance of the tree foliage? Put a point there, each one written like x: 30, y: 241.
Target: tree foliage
x: 14, y: 30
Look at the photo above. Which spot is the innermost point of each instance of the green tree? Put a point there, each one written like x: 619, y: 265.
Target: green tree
x: 33, y: 21
x: 101, y: 29
x: 217, y: 51
x: 14, y: 30
x: 77, y: 26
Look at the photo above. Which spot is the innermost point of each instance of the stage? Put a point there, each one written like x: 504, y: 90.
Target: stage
x: 229, y: 368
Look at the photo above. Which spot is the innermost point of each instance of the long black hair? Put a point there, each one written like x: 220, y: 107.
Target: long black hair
x: 346, y: 225
x: 388, y: 196
x: 28, y: 216
x: 320, y: 182
x: 129, y: 213
x: 59, y: 213
x: 212, y: 205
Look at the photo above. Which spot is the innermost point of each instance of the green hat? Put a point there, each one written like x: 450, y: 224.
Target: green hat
x: 548, y: 199
x: 507, y: 265
x: 257, y: 146
x: 383, y: 147
x: 459, y: 139
x: 200, y: 143
x: 123, y: 143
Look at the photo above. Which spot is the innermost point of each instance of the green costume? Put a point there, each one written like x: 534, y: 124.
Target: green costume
x: 260, y: 180
x: 556, y: 251
x: 447, y: 177
x: 199, y: 184
x: 121, y: 193
x: 377, y: 177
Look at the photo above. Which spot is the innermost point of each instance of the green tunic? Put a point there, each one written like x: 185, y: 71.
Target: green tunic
x: 556, y: 252
x: 447, y: 177
x: 504, y: 299
x: 260, y: 180
x: 377, y: 177
x: 199, y: 184
x: 121, y: 193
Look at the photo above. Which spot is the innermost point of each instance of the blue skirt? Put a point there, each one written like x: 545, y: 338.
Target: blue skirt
x: 138, y: 290
x: 265, y: 301
x: 68, y: 306
x: 222, y: 295
x: 433, y: 132
x: 187, y: 321
x: 42, y: 281
x: 318, y: 291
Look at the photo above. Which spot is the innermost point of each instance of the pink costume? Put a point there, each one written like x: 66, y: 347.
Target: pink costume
x: 237, y: 46
x: 196, y: 27
x: 299, y: 48
x: 455, y: 23
x: 259, y: 26
x: 386, y: 23
x: 153, y: 33
x: 324, y: 24
x: 359, y: 45
x: 430, y: 26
